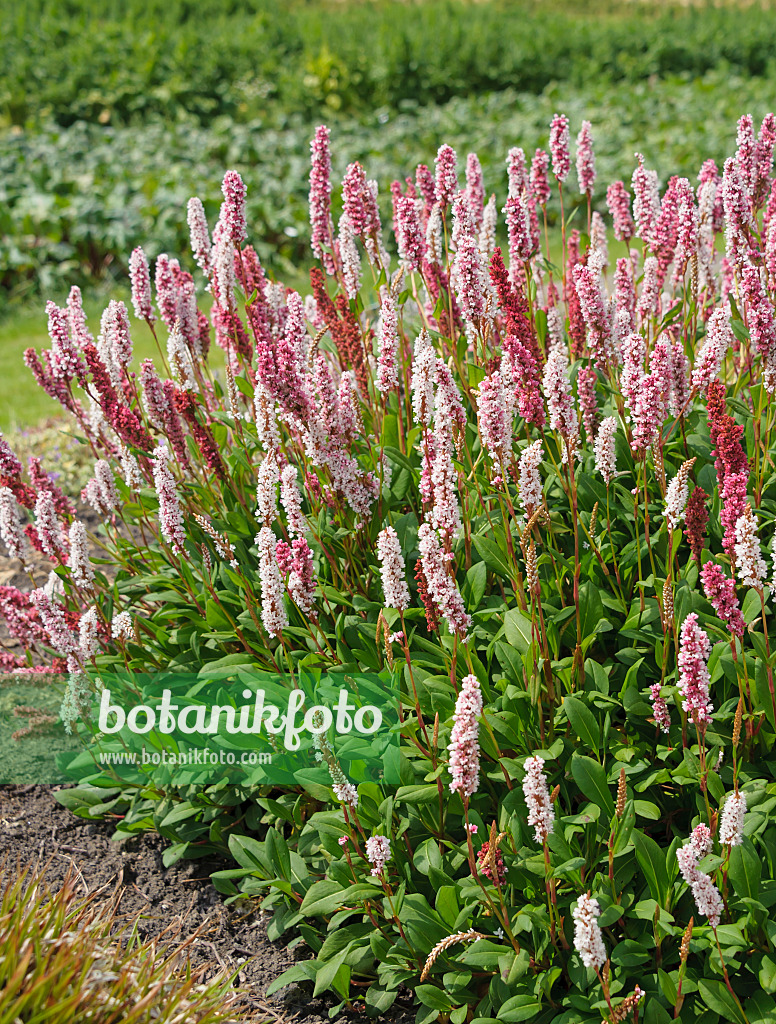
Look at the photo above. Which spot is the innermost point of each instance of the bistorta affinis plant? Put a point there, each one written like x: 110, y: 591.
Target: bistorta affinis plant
x: 537, y: 496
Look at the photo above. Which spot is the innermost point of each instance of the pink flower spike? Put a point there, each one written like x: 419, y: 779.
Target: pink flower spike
x: 170, y: 516
x: 750, y: 565
x: 388, y: 345
x: 539, y: 184
x: 273, y: 611
x: 10, y: 526
x: 588, y: 940
x: 618, y: 204
x: 731, y: 829
x: 389, y: 553
x: 720, y: 591
x: 702, y: 841
x: 659, y: 708
x: 378, y: 853
x: 530, y: 481
x: 585, y: 160
x: 464, y: 747
x: 441, y: 586
x: 233, y: 210
x: 320, y: 196
x: 559, y: 147
x: 199, y: 234
x: 494, y: 417
x: 694, y: 681
x: 140, y: 279
x: 446, y: 182
x: 537, y: 796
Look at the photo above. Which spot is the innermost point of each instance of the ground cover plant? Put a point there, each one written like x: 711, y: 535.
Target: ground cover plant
x: 539, y: 494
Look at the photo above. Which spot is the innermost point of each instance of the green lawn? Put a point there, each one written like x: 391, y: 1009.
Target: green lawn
x: 22, y: 402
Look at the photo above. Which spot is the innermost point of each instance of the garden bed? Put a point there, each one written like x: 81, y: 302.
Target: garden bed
x: 34, y: 827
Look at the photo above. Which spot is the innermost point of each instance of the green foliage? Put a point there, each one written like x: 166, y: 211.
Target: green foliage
x: 119, y: 64
x: 75, y: 201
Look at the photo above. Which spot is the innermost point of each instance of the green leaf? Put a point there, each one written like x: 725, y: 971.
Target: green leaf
x: 518, y: 630
x: 278, y: 853
x: 492, y: 556
x: 716, y: 996
x: 591, y: 608
x: 249, y: 853
x: 305, y: 971
x: 745, y: 870
x: 668, y: 985
x: 416, y: 794
x: 323, y: 898
x: 334, y: 974
x: 590, y: 776
x: 474, y: 586
x: 519, y: 1008
x: 652, y: 861
x: 767, y: 974
x: 583, y: 723
x: 432, y: 996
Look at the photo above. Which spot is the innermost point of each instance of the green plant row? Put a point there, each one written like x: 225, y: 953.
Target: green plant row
x: 75, y: 201
x: 122, y: 63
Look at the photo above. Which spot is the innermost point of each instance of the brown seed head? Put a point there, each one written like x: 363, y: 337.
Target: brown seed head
x: 531, y: 570
x: 492, y: 849
x: 593, y: 518
x: 621, y: 794
x: 668, y: 606
x: 445, y: 944
x: 685, y: 947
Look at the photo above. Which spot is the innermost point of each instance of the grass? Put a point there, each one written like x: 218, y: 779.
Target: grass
x: 22, y: 402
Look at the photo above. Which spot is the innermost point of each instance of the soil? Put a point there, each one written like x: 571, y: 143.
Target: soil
x: 34, y: 828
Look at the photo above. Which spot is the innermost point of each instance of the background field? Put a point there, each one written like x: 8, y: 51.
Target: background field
x: 112, y: 115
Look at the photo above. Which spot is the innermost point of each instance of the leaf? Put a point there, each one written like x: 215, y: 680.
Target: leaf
x: 518, y: 630
x: 432, y: 996
x: 305, y: 971
x: 492, y: 556
x: 590, y: 776
x: 334, y: 974
x: 474, y: 586
x: 249, y: 853
x: 323, y: 898
x: 278, y: 853
x: 583, y: 723
x: 591, y: 608
x: 760, y: 1009
x: 652, y: 861
x: 751, y: 606
x: 767, y: 974
x: 716, y: 996
x: 416, y: 794
x: 745, y: 870
x: 519, y: 1008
